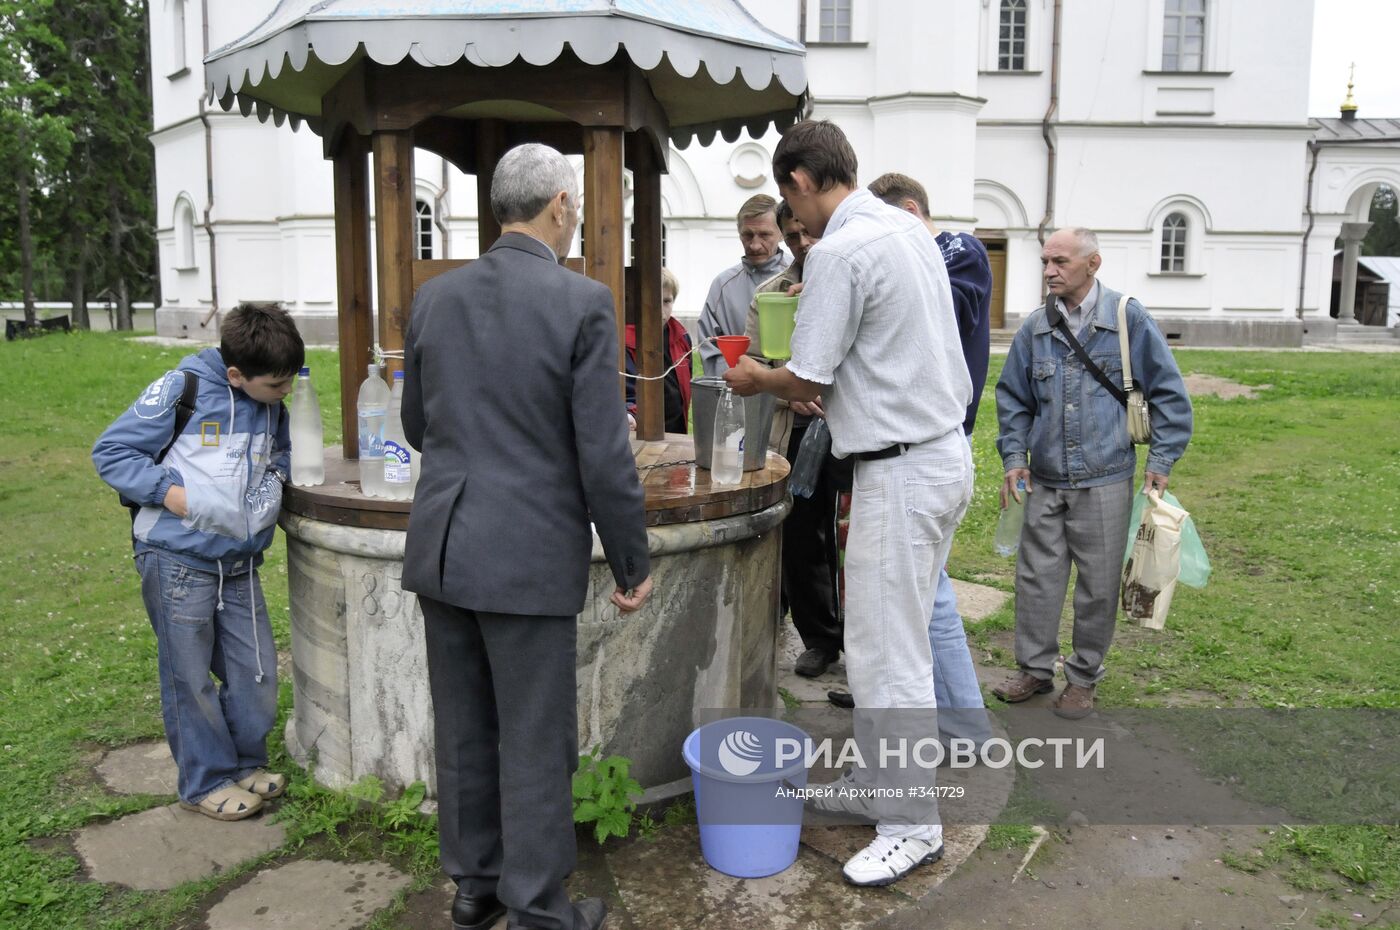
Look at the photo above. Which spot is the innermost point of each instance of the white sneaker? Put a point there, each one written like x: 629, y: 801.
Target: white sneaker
x: 889, y: 859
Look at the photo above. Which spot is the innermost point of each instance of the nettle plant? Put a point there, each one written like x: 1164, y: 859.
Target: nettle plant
x: 604, y: 794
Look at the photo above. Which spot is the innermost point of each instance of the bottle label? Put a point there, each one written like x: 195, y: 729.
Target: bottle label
x: 398, y: 463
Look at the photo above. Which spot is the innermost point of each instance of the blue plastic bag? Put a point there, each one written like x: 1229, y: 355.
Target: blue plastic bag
x: 1195, y: 564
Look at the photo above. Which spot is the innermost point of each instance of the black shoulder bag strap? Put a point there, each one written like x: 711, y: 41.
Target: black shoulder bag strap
x: 184, y: 409
x: 1057, y: 320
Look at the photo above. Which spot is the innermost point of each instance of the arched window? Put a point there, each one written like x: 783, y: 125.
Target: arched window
x: 426, y: 231
x: 1174, y: 242
x: 184, y: 234
x: 1011, y: 41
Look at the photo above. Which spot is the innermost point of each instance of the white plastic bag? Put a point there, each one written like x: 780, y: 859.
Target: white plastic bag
x: 1149, y: 575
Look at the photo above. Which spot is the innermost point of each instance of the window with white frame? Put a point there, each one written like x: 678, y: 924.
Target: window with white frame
x: 427, y: 232
x: 1174, y: 231
x: 1184, y: 35
x: 835, y: 21
x: 177, y: 37
x: 184, y: 234
x: 1011, y: 40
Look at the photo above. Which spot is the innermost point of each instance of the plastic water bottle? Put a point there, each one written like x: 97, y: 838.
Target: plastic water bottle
x: 727, y: 454
x: 1008, y: 538
x: 816, y: 443
x: 372, y: 406
x: 400, y: 463
x: 308, y: 455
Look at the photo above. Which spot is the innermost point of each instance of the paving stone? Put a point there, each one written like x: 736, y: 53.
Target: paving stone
x: 162, y: 847
x: 143, y: 768
x: 977, y: 601
x: 810, y: 895
x: 309, y: 894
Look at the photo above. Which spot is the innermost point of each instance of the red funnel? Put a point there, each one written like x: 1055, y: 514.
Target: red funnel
x: 733, y: 347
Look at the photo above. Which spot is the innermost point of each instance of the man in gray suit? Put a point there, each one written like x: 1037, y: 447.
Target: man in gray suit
x: 511, y: 392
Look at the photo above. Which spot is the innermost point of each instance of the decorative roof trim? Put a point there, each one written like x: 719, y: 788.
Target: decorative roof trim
x: 234, y: 72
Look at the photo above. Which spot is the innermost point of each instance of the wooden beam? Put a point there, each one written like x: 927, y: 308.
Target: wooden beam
x: 394, y: 237
x: 604, y: 235
x: 355, y: 315
x: 490, y: 146
x: 646, y: 261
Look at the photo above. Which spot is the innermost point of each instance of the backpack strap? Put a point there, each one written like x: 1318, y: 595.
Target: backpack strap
x: 1123, y: 343
x: 184, y: 409
x: 1057, y: 320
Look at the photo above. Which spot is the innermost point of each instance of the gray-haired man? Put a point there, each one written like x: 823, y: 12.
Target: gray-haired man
x: 1066, y: 437
x: 511, y: 380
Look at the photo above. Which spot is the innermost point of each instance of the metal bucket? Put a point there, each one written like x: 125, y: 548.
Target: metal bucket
x: 758, y: 422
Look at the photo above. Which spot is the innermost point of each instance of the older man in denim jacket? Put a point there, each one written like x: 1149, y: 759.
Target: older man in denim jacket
x: 1066, y: 437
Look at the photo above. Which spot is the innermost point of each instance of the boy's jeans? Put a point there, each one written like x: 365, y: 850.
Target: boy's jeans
x: 961, y: 713
x: 217, y: 732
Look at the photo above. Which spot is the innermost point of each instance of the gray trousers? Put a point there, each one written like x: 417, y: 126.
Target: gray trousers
x: 1086, y: 526
x: 505, y: 720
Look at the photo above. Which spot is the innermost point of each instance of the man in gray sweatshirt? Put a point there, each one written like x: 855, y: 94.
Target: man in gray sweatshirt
x: 726, y: 310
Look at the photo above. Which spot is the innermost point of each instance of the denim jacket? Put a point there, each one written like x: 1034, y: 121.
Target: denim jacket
x: 1075, y: 432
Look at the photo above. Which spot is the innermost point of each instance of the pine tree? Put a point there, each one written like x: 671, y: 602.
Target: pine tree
x: 100, y: 229
x: 34, y: 141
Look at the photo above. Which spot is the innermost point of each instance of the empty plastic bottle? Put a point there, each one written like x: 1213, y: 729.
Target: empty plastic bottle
x: 727, y: 454
x: 308, y: 456
x: 400, y: 461
x: 810, y: 456
x: 1008, y: 537
x: 372, y: 406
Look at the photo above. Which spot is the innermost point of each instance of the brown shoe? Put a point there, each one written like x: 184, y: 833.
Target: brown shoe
x: 1022, y: 687
x: 1074, y: 702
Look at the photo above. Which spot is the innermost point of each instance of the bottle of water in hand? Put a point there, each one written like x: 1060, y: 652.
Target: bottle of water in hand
x: 1008, y: 537
x: 308, y: 456
x: 727, y: 454
x: 810, y: 456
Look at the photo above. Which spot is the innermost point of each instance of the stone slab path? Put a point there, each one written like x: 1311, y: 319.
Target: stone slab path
x: 309, y: 894
x: 657, y: 883
x: 158, y: 849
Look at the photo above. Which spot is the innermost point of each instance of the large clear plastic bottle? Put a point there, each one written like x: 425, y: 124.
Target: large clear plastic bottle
x: 308, y: 454
x: 372, y: 406
x: 727, y: 452
x: 811, y: 454
x: 1008, y: 537
x: 400, y: 461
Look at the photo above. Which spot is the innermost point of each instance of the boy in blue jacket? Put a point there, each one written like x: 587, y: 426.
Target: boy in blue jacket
x: 207, y: 512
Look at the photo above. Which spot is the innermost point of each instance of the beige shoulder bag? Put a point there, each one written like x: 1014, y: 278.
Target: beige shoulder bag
x: 1139, y: 421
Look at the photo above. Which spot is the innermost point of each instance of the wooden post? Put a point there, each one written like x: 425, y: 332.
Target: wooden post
x: 490, y: 146
x: 603, y: 230
x: 394, y: 238
x: 355, y: 314
x: 646, y: 262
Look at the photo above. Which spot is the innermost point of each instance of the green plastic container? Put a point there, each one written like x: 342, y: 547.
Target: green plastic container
x: 777, y: 314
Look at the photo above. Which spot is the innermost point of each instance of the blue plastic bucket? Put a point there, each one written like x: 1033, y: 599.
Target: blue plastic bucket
x: 750, y: 816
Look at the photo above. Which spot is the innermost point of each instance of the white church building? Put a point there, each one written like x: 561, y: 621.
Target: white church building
x: 1177, y: 129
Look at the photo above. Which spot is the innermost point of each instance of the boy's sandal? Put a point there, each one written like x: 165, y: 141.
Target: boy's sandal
x: 266, y: 785
x: 227, y: 804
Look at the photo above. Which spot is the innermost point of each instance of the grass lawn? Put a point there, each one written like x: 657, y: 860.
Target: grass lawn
x: 1295, y: 494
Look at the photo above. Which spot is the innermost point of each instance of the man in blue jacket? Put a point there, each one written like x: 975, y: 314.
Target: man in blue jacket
x: 1066, y: 437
